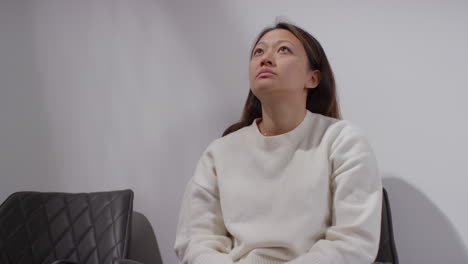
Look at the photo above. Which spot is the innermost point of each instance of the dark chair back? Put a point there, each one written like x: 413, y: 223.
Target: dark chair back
x: 387, y: 250
x: 40, y: 227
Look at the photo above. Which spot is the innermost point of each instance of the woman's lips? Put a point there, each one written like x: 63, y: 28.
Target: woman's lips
x: 262, y: 74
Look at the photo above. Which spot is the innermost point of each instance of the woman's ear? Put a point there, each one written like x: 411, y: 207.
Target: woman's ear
x: 313, y: 79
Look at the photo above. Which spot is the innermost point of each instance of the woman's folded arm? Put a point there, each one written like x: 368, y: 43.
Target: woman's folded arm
x: 356, y: 186
x: 201, y: 236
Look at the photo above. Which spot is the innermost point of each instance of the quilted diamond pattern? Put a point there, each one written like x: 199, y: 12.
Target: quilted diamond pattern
x: 87, y: 228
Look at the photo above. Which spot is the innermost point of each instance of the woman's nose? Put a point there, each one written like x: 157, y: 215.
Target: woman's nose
x: 267, y: 59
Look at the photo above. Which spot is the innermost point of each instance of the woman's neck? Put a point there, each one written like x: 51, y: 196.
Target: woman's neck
x: 276, y: 124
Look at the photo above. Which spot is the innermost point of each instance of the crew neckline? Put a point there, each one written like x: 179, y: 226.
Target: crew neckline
x: 290, y: 138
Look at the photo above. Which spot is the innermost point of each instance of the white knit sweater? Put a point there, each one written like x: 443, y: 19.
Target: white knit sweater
x: 311, y: 195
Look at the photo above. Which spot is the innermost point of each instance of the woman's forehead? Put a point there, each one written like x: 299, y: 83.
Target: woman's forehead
x: 278, y: 35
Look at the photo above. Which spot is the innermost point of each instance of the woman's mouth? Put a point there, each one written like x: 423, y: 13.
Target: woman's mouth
x: 264, y: 74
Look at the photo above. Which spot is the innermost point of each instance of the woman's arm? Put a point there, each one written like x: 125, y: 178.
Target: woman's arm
x: 201, y: 236
x: 356, y: 186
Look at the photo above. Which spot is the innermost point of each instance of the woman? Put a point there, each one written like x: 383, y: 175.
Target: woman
x: 291, y: 182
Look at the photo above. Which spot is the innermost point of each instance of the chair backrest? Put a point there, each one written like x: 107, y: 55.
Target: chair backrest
x: 387, y: 250
x: 41, y: 227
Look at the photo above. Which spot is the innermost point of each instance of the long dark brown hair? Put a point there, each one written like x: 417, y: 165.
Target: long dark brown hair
x: 321, y: 100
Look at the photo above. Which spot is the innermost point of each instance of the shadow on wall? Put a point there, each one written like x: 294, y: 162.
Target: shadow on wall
x: 144, y: 246
x: 423, y: 234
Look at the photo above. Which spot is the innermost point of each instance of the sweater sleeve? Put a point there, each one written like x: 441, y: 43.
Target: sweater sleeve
x: 201, y: 237
x: 356, y: 186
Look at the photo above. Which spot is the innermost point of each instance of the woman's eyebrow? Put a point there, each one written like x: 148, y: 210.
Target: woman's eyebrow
x: 278, y: 41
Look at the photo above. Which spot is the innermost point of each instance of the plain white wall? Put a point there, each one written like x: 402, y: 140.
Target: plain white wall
x: 102, y: 95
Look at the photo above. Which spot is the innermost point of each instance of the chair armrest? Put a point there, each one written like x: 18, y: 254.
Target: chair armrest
x: 125, y: 261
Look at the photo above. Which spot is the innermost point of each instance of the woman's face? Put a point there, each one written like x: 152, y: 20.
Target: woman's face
x: 284, y: 55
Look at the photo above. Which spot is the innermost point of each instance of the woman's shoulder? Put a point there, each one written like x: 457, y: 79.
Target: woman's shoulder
x: 223, y: 143
x: 333, y: 129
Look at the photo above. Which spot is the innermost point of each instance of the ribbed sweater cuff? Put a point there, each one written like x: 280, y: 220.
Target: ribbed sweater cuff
x: 213, y: 258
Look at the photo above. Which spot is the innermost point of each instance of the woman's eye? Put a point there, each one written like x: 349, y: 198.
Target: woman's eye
x: 255, y: 52
x: 280, y: 49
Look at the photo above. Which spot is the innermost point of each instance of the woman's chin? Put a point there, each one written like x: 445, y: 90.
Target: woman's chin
x: 258, y: 90
x: 263, y: 85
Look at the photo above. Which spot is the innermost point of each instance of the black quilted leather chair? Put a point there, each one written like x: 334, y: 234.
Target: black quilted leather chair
x: 53, y: 228
x: 387, y: 250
